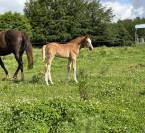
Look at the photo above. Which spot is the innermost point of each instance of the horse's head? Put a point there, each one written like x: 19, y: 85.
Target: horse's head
x: 88, y: 42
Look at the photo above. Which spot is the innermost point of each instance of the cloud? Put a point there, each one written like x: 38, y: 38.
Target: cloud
x: 139, y: 7
x: 126, y: 9
x: 14, y: 6
x: 121, y: 11
x: 138, y: 3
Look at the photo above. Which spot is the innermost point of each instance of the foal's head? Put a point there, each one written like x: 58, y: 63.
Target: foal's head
x: 87, y: 43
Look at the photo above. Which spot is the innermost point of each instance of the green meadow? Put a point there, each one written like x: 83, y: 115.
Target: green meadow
x: 109, y: 98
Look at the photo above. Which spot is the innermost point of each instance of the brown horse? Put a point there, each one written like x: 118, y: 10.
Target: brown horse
x: 12, y: 41
x: 69, y: 50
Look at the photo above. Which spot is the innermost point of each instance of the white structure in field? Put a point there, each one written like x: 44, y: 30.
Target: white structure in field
x: 137, y: 38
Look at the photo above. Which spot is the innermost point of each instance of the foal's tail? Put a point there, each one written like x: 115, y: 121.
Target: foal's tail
x: 43, y: 52
x: 29, y: 50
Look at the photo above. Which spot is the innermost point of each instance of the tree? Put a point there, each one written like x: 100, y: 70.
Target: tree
x: 62, y: 20
x: 130, y: 27
x: 123, y: 36
x: 16, y: 21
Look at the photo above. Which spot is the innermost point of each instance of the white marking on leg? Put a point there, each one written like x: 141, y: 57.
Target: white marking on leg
x: 46, y: 74
x: 46, y: 78
x: 49, y: 74
x: 74, y: 67
x: 75, y: 77
x: 68, y: 69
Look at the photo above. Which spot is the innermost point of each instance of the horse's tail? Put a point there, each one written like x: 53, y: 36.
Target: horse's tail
x: 29, y: 50
x: 43, y: 52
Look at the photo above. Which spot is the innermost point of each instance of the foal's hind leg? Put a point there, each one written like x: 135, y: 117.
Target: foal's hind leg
x: 46, y: 74
x: 68, y: 69
x: 47, y: 71
x: 3, y: 66
x: 74, y: 69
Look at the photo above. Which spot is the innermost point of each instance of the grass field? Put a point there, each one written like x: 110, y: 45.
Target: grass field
x: 109, y: 98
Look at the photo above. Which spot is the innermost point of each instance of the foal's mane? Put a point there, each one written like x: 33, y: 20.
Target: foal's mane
x: 77, y: 40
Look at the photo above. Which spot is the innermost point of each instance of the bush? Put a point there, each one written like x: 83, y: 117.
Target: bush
x: 16, y: 21
x: 56, y: 115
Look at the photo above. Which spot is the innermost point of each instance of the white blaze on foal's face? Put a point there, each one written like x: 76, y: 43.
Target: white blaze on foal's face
x: 89, y: 44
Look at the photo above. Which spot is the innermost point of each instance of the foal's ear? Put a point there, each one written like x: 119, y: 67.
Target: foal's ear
x: 87, y: 36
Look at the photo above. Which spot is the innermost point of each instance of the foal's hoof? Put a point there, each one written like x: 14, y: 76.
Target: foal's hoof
x: 52, y: 83
x: 47, y: 83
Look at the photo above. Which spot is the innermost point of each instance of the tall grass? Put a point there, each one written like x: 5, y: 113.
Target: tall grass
x: 110, y: 95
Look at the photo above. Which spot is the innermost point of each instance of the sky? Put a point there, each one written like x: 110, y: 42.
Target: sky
x: 126, y: 9
x: 122, y: 9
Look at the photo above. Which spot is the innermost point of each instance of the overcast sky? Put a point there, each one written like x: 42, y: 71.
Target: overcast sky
x: 122, y: 9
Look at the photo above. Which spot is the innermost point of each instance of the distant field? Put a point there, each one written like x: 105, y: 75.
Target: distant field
x: 110, y: 95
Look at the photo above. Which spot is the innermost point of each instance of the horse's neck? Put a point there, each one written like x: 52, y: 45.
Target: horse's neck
x: 78, y: 40
x: 77, y: 45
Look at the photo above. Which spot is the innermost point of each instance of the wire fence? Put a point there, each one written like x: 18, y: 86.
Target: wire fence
x: 40, y: 43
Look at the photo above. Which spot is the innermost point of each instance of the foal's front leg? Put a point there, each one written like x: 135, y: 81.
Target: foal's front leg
x: 74, y: 68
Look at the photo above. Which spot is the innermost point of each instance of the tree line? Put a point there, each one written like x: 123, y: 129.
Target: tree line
x: 62, y: 20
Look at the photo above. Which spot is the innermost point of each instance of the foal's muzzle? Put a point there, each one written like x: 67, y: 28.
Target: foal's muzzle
x: 91, y: 48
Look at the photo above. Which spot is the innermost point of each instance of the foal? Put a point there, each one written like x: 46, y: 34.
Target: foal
x: 68, y: 50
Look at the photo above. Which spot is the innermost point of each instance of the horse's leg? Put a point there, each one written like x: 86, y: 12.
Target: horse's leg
x: 3, y: 66
x: 47, y: 71
x: 46, y: 74
x: 20, y: 66
x: 68, y: 68
x: 74, y: 69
